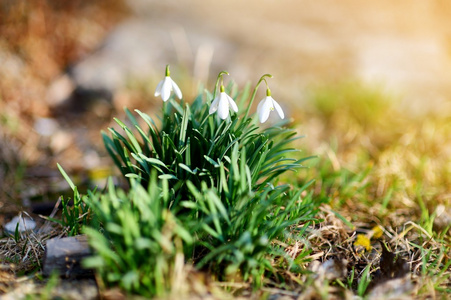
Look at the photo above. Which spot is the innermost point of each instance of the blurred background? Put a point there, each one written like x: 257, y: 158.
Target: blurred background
x: 346, y: 70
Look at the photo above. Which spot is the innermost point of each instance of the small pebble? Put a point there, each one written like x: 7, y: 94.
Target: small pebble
x: 25, y: 224
x: 45, y: 126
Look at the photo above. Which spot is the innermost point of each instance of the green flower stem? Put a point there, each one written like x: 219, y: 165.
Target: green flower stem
x: 165, y: 108
x: 255, y: 92
x: 168, y: 73
x: 217, y: 81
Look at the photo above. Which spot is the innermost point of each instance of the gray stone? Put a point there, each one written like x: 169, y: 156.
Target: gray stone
x: 64, y: 255
x: 26, y: 224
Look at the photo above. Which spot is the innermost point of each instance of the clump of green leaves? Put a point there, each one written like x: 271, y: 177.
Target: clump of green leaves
x: 206, y: 187
x: 136, y: 238
x: 236, y: 236
x: 76, y: 214
x: 195, y: 146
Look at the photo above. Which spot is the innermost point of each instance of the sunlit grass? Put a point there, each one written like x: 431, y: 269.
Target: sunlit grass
x: 380, y: 164
x: 395, y: 155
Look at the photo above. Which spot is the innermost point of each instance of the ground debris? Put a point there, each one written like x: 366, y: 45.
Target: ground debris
x: 392, y: 279
x: 331, y: 269
x: 71, y: 290
x: 443, y: 217
x: 399, y: 288
x: 7, y: 277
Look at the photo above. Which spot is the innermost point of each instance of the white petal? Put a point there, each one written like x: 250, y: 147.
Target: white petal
x: 232, y: 103
x: 214, y: 105
x: 223, y: 108
x: 265, y: 109
x: 158, y: 89
x: 166, y: 88
x: 176, y: 89
x: 259, y: 106
x: 278, y: 109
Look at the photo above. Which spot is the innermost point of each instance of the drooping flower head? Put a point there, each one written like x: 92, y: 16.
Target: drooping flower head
x: 222, y: 101
x: 267, y: 105
x: 166, y: 86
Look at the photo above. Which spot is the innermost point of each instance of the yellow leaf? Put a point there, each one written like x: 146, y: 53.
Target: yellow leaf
x: 377, y: 232
x: 364, y: 241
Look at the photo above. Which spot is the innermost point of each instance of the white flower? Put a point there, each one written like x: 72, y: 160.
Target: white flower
x: 267, y: 105
x: 221, y: 104
x: 166, y: 86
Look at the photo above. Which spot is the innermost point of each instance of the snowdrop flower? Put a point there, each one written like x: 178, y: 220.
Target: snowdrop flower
x: 221, y: 104
x: 166, y: 86
x: 266, y: 106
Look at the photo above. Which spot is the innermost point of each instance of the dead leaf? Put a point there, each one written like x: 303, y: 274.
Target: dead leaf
x: 392, y: 266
